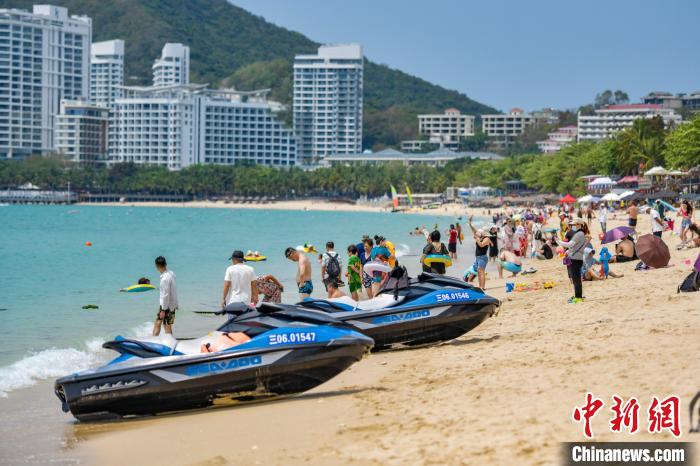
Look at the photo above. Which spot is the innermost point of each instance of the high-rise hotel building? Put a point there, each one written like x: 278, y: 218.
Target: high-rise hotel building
x: 173, y: 66
x: 178, y: 126
x: 328, y: 102
x: 106, y: 72
x: 44, y: 58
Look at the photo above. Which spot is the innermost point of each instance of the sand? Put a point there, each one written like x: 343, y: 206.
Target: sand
x: 451, y: 209
x: 502, y: 394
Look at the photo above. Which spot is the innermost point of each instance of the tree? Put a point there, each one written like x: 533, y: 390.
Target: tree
x: 476, y: 143
x: 609, y: 97
x: 683, y: 145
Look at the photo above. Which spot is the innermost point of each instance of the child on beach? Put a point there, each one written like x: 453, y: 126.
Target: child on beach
x: 354, y: 273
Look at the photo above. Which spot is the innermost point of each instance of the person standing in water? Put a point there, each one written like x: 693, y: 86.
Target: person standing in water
x: 165, y: 317
x: 306, y: 287
x: 453, y: 236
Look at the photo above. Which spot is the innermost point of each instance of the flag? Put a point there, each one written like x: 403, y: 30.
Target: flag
x: 409, y: 196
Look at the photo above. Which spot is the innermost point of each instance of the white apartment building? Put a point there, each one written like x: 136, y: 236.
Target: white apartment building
x: 327, y: 104
x: 503, y: 129
x: 81, y: 132
x: 106, y: 72
x: 44, y: 57
x: 173, y: 66
x: 611, y: 119
x: 557, y: 139
x: 178, y: 126
x: 448, y: 127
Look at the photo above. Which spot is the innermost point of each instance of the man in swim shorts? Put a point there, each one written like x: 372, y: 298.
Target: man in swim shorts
x: 303, y: 272
x: 510, y: 262
x: 633, y: 212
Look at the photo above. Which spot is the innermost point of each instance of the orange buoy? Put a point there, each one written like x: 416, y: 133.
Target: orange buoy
x: 88, y: 243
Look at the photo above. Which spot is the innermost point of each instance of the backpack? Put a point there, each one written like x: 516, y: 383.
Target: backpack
x: 691, y: 283
x: 538, y: 235
x: 333, y: 266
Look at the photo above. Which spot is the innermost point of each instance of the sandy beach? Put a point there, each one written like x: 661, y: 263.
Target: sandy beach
x: 451, y: 209
x: 502, y: 394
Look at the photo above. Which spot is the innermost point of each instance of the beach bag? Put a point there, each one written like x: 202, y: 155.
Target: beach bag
x: 538, y: 235
x: 333, y: 267
x: 691, y: 283
x: 547, y: 252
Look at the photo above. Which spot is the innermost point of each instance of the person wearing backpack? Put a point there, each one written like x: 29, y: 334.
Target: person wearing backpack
x: 331, y: 267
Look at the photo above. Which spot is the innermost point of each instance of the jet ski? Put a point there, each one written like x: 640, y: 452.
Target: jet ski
x: 271, y: 351
x: 413, y: 311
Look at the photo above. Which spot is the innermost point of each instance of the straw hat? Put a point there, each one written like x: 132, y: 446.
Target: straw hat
x: 577, y: 221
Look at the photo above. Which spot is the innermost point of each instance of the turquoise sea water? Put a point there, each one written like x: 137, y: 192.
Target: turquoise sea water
x: 47, y: 273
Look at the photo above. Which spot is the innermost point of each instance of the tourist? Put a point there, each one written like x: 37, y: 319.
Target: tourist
x: 686, y: 214
x: 333, y: 290
x: 625, y: 250
x: 460, y: 235
x: 367, y: 246
x: 657, y: 225
x: 510, y: 261
x: 588, y: 270
x: 632, y: 212
x: 603, y: 216
x: 380, y: 254
x: 493, y: 249
x: 381, y: 241
x: 331, y: 266
x: 453, y: 236
x: 434, y: 247
x: 574, y: 257
x: 481, y: 258
x: 239, y: 282
x: 354, y: 272
x: 545, y: 250
x: 303, y: 277
x: 270, y: 288
x: 165, y: 316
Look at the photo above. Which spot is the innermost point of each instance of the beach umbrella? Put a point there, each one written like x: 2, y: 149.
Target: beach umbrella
x: 653, y: 251
x: 610, y: 197
x: 656, y: 171
x: 588, y: 198
x: 627, y: 194
x: 617, y: 234
x: 568, y: 199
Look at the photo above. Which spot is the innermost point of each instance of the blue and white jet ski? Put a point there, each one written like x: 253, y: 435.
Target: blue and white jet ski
x: 413, y: 311
x: 268, y: 352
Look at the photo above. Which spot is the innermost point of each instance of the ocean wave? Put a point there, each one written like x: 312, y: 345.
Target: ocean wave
x: 402, y: 250
x: 57, y: 362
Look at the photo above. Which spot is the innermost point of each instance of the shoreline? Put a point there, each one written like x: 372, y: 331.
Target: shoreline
x: 449, y: 209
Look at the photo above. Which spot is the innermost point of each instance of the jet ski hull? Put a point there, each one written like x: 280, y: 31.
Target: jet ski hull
x: 422, y: 326
x: 203, y: 381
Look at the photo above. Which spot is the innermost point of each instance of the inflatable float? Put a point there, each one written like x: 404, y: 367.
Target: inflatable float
x: 138, y: 288
x: 510, y: 267
x: 255, y: 258
x: 307, y: 248
x: 372, y: 267
x: 437, y: 259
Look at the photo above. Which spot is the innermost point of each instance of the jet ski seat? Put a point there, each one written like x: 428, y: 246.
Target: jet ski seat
x: 378, y: 302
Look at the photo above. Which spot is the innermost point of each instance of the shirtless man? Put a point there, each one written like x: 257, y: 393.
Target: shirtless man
x: 624, y: 251
x: 303, y: 272
x: 510, y: 262
x: 633, y: 211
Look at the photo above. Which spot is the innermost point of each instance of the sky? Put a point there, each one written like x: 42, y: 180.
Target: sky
x: 514, y: 53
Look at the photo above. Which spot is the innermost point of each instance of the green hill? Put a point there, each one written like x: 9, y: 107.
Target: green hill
x: 230, y: 44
